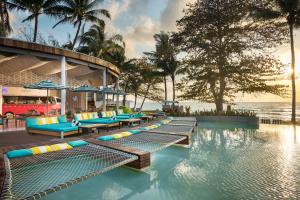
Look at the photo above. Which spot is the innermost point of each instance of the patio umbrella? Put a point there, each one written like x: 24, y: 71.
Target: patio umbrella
x: 107, y: 90
x: 45, y: 85
x: 86, y: 89
x: 119, y: 92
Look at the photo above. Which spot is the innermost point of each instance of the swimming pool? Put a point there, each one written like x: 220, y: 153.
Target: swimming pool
x: 225, y: 161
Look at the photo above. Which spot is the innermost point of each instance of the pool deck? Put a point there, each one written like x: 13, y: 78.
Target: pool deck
x: 21, y: 139
x: 13, y: 140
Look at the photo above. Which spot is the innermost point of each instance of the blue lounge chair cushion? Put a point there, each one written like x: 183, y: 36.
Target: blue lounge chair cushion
x: 61, y: 127
x: 62, y: 119
x: 106, y: 138
x: 19, y: 153
x: 100, y: 121
x: 134, y: 131
x: 123, y: 117
x: 31, y: 122
x: 138, y: 115
x: 78, y: 143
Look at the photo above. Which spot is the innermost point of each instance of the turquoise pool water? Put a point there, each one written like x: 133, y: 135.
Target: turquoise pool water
x: 225, y: 161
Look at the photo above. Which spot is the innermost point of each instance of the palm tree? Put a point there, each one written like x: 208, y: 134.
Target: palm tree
x: 78, y: 12
x: 5, y: 6
x: 164, y: 57
x: 37, y: 8
x: 151, y: 79
x: 96, y: 43
x: 288, y: 10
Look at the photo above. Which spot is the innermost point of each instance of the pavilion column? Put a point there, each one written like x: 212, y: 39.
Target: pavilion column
x: 64, y: 83
x: 118, y: 96
x: 104, y: 77
x: 1, y: 100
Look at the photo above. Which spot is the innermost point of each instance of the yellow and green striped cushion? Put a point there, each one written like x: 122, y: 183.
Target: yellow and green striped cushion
x: 61, y: 146
x: 41, y: 121
x: 40, y: 149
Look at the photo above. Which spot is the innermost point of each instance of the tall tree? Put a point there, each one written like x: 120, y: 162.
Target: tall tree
x: 35, y: 8
x: 151, y: 78
x: 131, y: 80
x: 288, y: 10
x: 96, y: 43
x: 5, y: 6
x: 227, y: 52
x: 78, y: 12
x: 164, y: 57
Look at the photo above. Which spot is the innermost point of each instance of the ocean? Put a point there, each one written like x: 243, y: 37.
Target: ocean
x: 274, y: 110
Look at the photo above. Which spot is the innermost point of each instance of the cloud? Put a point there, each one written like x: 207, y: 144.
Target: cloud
x: 172, y: 12
x: 136, y: 21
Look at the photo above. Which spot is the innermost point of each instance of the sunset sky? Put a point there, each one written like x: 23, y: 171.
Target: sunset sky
x: 138, y: 21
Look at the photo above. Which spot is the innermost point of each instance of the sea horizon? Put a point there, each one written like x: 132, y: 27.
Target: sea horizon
x: 274, y: 110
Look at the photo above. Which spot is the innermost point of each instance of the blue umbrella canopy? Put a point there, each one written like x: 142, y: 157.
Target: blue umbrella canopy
x: 121, y: 92
x: 85, y: 88
x: 45, y: 85
x: 107, y: 90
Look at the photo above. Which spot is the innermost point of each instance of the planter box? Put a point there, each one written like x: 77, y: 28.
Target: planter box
x: 241, y: 119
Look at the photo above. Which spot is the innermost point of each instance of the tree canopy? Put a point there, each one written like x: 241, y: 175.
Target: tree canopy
x: 226, y: 51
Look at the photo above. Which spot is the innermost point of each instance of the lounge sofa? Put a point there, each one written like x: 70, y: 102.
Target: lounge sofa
x: 54, y: 126
x: 121, y: 115
x: 93, y: 118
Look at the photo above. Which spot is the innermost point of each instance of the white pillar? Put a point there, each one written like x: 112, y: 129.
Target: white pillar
x: 64, y: 83
x: 1, y: 100
x: 104, y: 86
x: 118, y: 96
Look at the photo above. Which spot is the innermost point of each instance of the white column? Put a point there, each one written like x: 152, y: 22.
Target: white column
x: 64, y: 83
x: 104, y: 86
x: 118, y: 96
x: 1, y: 100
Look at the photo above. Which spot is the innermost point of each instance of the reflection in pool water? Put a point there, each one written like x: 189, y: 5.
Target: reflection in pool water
x: 225, y: 161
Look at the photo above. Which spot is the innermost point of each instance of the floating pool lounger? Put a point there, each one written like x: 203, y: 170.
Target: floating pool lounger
x: 193, y: 119
x: 146, y: 141
x: 170, y: 129
x: 183, y: 123
x: 32, y: 177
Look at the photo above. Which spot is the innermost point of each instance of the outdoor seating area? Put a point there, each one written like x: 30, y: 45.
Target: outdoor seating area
x: 59, y: 126
x: 132, y: 147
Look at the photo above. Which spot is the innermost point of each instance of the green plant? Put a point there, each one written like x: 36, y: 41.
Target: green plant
x: 243, y: 113
x: 69, y: 114
x: 126, y: 109
x: 188, y: 110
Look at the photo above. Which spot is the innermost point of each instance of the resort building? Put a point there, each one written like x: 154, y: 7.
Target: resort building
x: 23, y: 63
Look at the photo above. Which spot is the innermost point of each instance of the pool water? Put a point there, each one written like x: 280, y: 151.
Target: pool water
x: 225, y: 161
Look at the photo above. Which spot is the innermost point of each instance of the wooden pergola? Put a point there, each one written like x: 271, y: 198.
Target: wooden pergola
x: 25, y: 63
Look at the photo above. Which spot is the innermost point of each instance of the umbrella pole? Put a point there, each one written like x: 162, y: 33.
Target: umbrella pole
x: 86, y: 101
x: 118, y: 103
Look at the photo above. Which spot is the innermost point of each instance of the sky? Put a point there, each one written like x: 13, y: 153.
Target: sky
x: 138, y: 21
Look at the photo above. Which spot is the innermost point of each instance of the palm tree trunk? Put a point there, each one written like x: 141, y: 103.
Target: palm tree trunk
x: 293, y: 74
x: 36, y: 22
x: 135, y: 99
x: 76, y: 36
x: 124, y: 100
x: 173, y: 83
x: 141, y: 107
x: 2, y: 32
x: 166, y: 92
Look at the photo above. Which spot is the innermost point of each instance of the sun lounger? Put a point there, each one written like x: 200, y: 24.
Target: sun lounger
x: 120, y: 115
x: 92, y: 118
x: 53, y: 126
